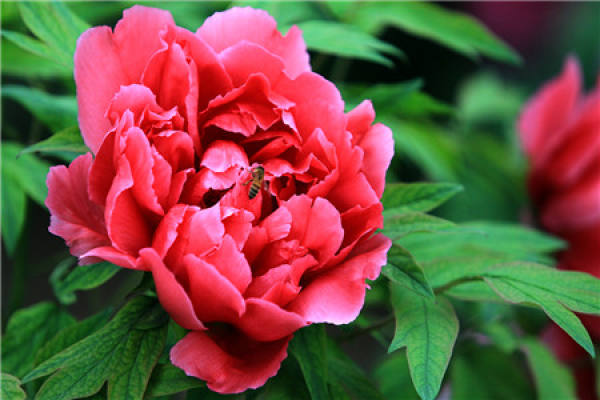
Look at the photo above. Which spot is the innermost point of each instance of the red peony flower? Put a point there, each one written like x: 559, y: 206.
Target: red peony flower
x: 560, y: 132
x: 229, y: 170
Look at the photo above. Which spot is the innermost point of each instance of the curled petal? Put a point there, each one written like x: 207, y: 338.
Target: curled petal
x: 229, y: 362
x: 225, y: 29
x: 171, y: 294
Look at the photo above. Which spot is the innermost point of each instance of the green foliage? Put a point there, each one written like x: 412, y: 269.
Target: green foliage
x: 11, y: 388
x: 83, y: 277
x: 27, y: 331
x: 554, y: 291
x: 57, y: 112
x: 124, y: 353
x: 14, y: 203
x: 397, y: 225
x: 27, y: 171
x: 552, y: 379
x: 404, y: 270
x: 406, y: 197
x: 455, y: 30
x: 68, y: 140
x: 393, y: 378
x: 485, y: 373
x: 427, y: 328
x: 167, y: 379
x: 55, y: 26
x: 309, y: 347
x: 346, y: 41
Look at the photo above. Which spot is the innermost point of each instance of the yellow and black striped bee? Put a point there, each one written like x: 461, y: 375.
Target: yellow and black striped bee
x: 258, y: 177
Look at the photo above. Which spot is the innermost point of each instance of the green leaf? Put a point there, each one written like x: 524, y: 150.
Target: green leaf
x: 167, y: 379
x: 11, y: 388
x: 501, y: 335
x: 457, y: 31
x: 14, y: 204
x: 393, y: 378
x: 138, y: 359
x: 552, y: 379
x: 29, y: 171
x: 71, y: 335
x: 481, y: 240
x: 345, y: 41
x: 119, y: 353
x: 397, y: 224
x: 27, y: 331
x: 82, y: 277
x: 348, y: 377
x: 555, y: 291
x: 54, y: 25
x: 309, y: 347
x: 421, y: 105
x: 486, y: 373
x: 385, y: 96
x: 405, y: 197
x: 404, y: 270
x: 427, y: 328
x: 20, y: 63
x: 431, y: 147
x: 57, y: 112
x: 68, y: 139
x: 29, y: 44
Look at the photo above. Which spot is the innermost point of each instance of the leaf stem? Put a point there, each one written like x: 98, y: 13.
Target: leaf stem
x: 456, y: 282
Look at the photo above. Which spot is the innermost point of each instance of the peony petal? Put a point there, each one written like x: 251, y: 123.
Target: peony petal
x: 126, y: 225
x: 166, y: 233
x: 169, y: 76
x: 171, y: 294
x: 311, y: 92
x: 546, y: 115
x: 353, y: 191
x: 359, y: 120
x: 138, y: 35
x: 227, y: 28
x: 75, y: 217
x: 114, y: 256
x: 246, y: 58
x: 231, y: 263
x: 337, y: 295
x: 97, y: 82
x: 229, y: 363
x: 324, y: 233
x: 266, y: 321
x: 222, y: 155
x: 214, y: 297
x: 378, y: 147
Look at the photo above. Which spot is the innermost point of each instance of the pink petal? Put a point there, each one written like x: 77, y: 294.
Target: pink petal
x: 214, y: 297
x: 359, y: 120
x: 324, y: 233
x: 222, y: 155
x: 138, y: 35
x: 337, y: 295
x: 231, y: 263
x: 266, y: 321
x: 171, y: 294
x: 166, y: 233
x: 378, y: 147
x: 227, y: 28
x: 246, y: 58
x: 97, y: 82
x: 75, y: 217
x: 310, y: 92
x: 169, y: 76
x: 127, y: 227
x: 114, y: 256
x: 351, y: 192
x: 546, y: 115
x: 229, y: 363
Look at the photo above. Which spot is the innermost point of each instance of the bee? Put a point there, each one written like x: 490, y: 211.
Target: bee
x: 256, y: 182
